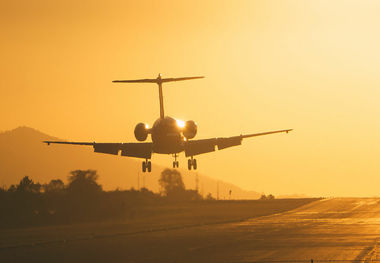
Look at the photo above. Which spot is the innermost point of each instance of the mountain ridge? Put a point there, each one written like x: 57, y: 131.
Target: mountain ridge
x: 23, y: 153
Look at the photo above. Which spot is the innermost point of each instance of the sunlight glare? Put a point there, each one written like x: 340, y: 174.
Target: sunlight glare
x: 180, y: 123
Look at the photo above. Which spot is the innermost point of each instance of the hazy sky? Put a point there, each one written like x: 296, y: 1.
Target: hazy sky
x: 308, y: 65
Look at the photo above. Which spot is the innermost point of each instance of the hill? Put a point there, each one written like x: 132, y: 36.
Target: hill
x: 23, y: 153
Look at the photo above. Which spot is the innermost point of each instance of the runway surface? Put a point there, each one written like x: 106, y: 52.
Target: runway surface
x: 329, y: 229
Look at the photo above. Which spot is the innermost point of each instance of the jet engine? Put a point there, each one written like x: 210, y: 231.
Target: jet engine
x: 141, y: 131
x: 190, y: 129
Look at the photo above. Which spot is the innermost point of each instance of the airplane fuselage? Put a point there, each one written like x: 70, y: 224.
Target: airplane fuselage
x: 167, y: 137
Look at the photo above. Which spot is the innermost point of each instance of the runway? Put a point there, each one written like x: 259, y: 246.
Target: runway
x: 329, y: 229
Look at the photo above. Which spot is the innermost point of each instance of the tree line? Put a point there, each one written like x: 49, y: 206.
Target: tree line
x: 82, y: 199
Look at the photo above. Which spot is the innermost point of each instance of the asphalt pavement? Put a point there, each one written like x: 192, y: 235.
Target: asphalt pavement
x: 340, y: 229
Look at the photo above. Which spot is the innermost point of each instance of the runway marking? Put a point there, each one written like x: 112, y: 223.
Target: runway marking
x: 372, y: 254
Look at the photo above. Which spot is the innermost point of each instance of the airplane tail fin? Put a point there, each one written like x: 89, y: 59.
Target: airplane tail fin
x: 159, y: 82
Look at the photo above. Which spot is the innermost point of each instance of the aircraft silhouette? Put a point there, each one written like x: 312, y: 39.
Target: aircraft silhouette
x: 169, y: 136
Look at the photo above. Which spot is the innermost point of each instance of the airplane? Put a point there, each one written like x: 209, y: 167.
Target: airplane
x: 169, y: 136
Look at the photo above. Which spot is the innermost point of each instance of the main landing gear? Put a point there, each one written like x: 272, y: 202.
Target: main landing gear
x: 192, y: 163
x: 146, y: 165
x: 175, y: 162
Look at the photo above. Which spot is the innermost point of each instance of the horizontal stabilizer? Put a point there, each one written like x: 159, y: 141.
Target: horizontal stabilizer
x: 137, y: 81
x: 157, y: 80
x: 179, y: 79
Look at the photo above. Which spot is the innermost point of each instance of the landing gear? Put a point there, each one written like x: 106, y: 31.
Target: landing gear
x: 175, y: 162
x: 146, y: 165
x: 192, y: 163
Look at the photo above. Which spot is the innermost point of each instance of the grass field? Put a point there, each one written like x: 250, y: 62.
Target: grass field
x: 149, y: 219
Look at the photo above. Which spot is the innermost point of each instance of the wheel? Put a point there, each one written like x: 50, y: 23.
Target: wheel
x: 189, y: 164
x: 195, y: 164
x: 149, y: 166
x: 177, y: 164
x: 174, y: 164
x: 144, y: 167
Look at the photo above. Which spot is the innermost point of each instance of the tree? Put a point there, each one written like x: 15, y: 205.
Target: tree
x: 209, y: 197
x: 27, y: 185
x: 12, y: 188
x: 267, y: 197
x: 84, y: 182
x: 171, y: 182
x: 54, y: 186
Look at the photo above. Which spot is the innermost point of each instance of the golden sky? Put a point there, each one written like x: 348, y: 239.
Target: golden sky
x: 308, y: 65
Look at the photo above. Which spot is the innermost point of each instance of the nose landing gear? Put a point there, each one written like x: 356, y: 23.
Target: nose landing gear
x: 192, y: 163
x: 146, y: 165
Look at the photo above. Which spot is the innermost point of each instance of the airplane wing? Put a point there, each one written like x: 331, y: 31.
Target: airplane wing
x: 138, y: 150
x: 196, y: 147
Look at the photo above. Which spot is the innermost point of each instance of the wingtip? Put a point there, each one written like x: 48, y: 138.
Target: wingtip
x: 287, y: 131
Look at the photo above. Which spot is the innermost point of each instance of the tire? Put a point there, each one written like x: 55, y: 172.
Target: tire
x: 177, y: 163
x: 189, y: 164
x: 195, y: 164
x: 149, y: 166
x: 144, y: 167
x: 174, y: 164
